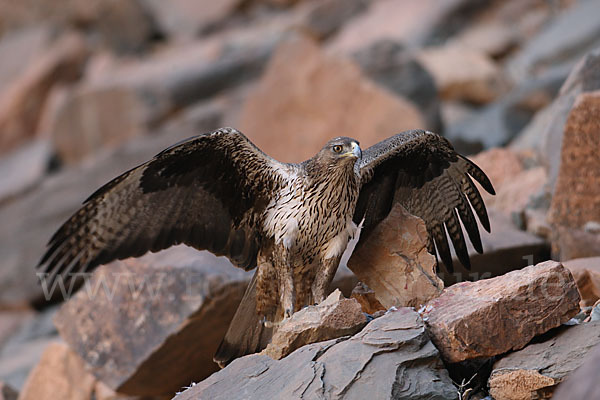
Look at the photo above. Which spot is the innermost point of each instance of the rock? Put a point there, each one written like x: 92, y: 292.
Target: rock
x: 494, y: 38
x: 90, y: 119
x: 391, y: 358
x: 463, y: 74
x: 586, y: 272
x: 186, y: 19
x: 493, y: 316
x: 367, y: 299
x: 569, y: 36
x: 10, y: 322
x: 545, y: 132
x: 394, y: 262
x: 173, y: 311
x: 583, y: 383
x: 23, y: 168
x: 575, y: 203
x: 21, y: 102
x: 576, y: 198
x: 23, y: 348
x: 395, y: 69
x: 61, y: 374
x: 514, y: 184
x: 505, y: 249
x: 336, y: 316
x: 27, y: 224
x: 503, y: 120
x: 324, y: 18
x: 19, y: 48
x: 539, y: 367
x: 410, y: 22
x: 340, y: 99
x: 7, y: 392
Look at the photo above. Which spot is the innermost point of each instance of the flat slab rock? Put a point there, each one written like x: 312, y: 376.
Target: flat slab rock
x: 583, y: 383
x: 535, y: 371
x: 493, y: 316
x: 391, y: 358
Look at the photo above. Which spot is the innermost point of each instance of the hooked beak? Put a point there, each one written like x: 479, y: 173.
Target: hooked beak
x: 356, y: 151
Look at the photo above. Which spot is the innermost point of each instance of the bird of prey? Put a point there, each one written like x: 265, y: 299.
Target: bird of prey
x: 292, y: 222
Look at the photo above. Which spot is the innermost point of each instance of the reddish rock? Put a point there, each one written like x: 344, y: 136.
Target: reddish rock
x: 583, y: 383
x: 335, y: 317
x: 463, y: 74
x: 586, y: 272
x: 367, y: 299
x: 150, y: 326
x: 514, y: 183
x: 535, y: 371
x: 391, y: 358
x: 394, y: 262
x: 493, y: 316
x: 60, y: 374
x: 308, y: 98
x: 91, y: 119
x: 21, y: 103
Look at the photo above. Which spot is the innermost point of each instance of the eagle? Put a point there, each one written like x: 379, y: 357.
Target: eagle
x: 291, y: 222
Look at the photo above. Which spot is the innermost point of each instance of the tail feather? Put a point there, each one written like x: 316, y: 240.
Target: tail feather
x: 246, y: 334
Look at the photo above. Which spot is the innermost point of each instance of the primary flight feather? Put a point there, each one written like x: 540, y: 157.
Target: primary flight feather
x: 292, y: 222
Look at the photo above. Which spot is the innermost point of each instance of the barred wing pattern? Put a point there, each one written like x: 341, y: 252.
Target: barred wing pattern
x: 421, y: 171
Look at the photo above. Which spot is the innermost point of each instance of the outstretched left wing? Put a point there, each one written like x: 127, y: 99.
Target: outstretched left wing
x: 421, y: 171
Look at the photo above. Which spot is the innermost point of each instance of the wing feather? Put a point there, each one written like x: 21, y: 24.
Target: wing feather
x: 421, y: 170
x: 208, y: 192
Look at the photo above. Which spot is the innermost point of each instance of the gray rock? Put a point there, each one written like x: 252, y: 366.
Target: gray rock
x: 563, y: 41
x: 23, y: 168
x: 539, y: 367
x: 544, y: 133
x: 583, y: 383
x: 391, y: 66
x: 500, y: 122
x: 391, y: 358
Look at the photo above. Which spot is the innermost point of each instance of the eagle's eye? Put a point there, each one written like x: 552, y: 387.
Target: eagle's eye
x: 337, y: 148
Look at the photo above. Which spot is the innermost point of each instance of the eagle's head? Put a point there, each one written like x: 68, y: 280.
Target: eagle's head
x: 341, y: 150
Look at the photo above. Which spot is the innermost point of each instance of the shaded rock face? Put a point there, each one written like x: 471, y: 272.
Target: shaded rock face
x: 151, y: 325
x: 306, y: 96
x: 493, y: 316
x: 583, y: 383
x: 391, y: 358
x: 394, y: 262
x: 335, y: 317
x: 539, y: 367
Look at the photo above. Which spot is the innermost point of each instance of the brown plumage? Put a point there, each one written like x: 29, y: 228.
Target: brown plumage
x: 219, y: 192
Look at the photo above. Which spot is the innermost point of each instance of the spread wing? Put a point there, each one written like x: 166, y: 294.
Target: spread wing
x: 422, y: 171
x: 207, y: 192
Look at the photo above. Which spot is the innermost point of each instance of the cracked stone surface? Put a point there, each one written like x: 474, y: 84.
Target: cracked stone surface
x: 493, y: 316
x: 391, y: 358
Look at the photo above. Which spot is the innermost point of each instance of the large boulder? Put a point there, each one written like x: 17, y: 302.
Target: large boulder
x: 575, y: 208
x: 492, y: 316
x: 306, y: 98
x: 391, y: 358
x: 149, y: 326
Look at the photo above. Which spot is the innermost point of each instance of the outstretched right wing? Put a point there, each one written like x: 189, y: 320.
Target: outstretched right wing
x: 208, y: 192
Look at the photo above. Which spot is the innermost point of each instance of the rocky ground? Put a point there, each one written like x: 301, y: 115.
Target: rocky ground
x: 91, y: 88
